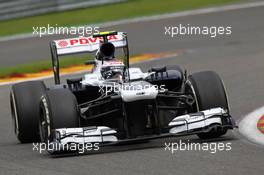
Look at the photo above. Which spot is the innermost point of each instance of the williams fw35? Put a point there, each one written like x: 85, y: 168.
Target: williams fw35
x: 116, y: 103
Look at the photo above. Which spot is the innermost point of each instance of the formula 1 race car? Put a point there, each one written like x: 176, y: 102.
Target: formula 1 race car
x: 116, y: 103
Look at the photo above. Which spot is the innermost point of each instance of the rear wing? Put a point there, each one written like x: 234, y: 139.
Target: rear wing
x: 85, y: 45
x: 88, y: 44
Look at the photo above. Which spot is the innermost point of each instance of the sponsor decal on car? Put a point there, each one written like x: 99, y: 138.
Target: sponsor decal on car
x: 63, y: 43
x: 84, y: 41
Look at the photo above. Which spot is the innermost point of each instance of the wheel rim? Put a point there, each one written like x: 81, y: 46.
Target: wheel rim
x: 44, y: 123
x: 14, y: 113
x: 190, y: 88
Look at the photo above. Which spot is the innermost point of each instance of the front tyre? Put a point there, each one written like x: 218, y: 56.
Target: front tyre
x: 58, y: 109
x: 24, y: 103
x: 209, y: 92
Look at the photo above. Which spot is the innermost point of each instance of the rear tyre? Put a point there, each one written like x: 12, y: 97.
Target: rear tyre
x: 58, y: 109
x: 24, y: 102
x: 209, y: 92
x: 175, y: 67
x: 175, y: 83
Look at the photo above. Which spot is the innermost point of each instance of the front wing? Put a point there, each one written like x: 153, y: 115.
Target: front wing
x: 188, y: 124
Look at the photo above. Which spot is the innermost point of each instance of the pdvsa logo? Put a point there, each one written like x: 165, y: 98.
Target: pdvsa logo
x: 84, y: 41
x: 63, y: 43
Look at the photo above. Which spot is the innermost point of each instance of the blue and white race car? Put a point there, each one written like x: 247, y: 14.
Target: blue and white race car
x: 115, y: 103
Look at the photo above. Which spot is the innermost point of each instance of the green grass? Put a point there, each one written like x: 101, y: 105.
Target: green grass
x: 129, y: 9
x: 40, y: 66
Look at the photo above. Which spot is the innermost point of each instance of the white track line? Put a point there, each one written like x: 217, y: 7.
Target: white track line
x: 155, y: 17
x: 248, y: 126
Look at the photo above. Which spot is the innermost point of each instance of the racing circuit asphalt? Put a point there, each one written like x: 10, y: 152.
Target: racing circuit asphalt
x: 238, y: 58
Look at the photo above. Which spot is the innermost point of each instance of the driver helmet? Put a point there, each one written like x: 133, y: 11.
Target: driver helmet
x: 106, y: 52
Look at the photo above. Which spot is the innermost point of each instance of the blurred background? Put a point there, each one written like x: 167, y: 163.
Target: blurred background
x: 21, y: 8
